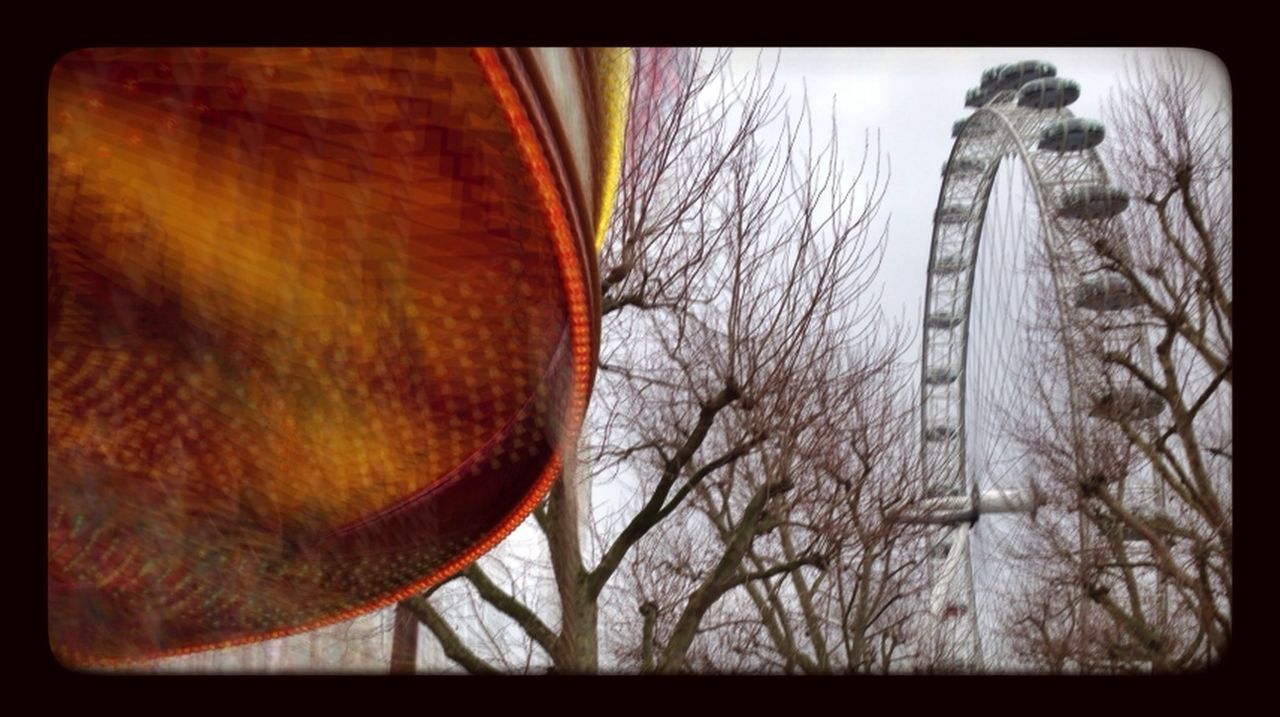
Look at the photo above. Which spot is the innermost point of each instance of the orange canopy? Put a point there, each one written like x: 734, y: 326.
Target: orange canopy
x: 321, y: 322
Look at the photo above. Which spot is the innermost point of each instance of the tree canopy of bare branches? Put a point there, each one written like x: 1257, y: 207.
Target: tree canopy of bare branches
x: 1143, y: 579
x: 731, y: 506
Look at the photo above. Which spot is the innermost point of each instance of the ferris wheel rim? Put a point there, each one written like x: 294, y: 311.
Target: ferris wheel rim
x: 976, y: 220
x: 994, y: 117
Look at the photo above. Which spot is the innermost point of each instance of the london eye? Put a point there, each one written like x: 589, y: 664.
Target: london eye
x: 1018, y: 310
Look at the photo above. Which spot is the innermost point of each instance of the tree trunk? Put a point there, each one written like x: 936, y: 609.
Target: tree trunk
x: 404, y: 642
x: 576, y: 648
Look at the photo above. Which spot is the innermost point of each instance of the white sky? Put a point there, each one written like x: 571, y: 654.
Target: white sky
x: 912, y: 96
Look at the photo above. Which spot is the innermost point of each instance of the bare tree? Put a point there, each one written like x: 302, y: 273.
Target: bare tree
x: 725, y: 454
x: 1142, y: 579
x: 846, y: 456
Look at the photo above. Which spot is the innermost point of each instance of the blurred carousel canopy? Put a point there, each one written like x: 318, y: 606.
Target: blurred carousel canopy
x: 321, y: 323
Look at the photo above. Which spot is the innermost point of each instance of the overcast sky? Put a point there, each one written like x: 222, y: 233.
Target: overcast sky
x: 912, y: 96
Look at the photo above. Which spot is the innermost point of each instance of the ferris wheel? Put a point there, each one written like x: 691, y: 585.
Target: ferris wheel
x: 1017, y: 310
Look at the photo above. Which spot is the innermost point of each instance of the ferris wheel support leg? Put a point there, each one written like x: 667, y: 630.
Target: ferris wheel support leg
x: 958, y: 536
x: 951, y: 581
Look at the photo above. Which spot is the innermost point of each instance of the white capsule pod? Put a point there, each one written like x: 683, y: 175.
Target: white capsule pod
x: 954, y: 610
x: 1093, y: 201
x: 1013, y: 75
x: 950, y: 264
x: 1107, y: 292
x: 943, y: 320
x: 941, y: 375
x: 1127, y: 404
x: 952, y: 214
x: 1072, y: 135
x: 941, y: 433
x: 963, y: 167
x: 1048, y: 93
x: 977, y: 97
x: 979, y: 129
x: 1156, y: 522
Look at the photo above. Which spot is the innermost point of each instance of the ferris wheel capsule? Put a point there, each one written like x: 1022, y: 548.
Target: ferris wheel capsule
x: 941, y: 433
x: 980, y: 129
x: 943, y: 320
x: 1072, y: 135
x: 977, y: 97
x: 950, y: 264
x: 1108, y: 292
x: 963, y: 167
x: 1048, y: 93
x: 941, y: 550
x: 1093, y: 201
x: 941, y: 375
x: 1013, y: 75
x: 954, y: 610
x: 1127, y: 404
x: 952, y: 214
x: 1157, y: 522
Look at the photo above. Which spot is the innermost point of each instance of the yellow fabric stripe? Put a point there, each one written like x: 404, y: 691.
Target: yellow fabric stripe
x: 615, y: 94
